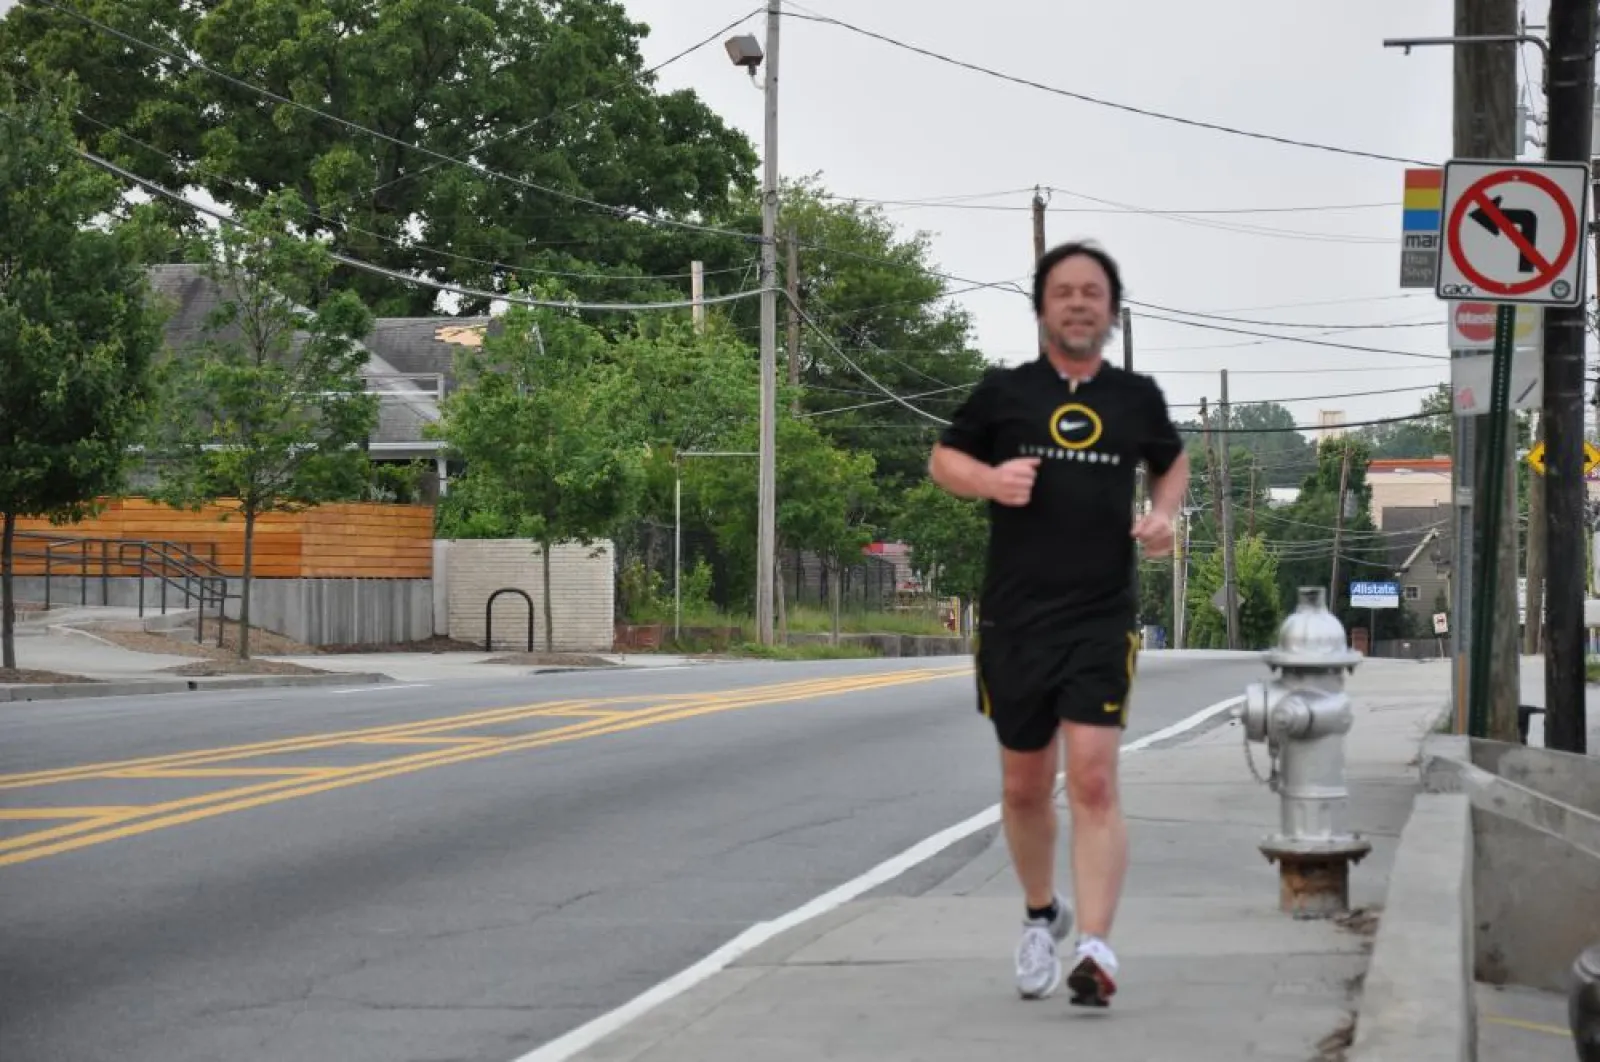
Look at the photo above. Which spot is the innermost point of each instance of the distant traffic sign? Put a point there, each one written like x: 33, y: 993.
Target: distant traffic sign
x: 1591, y: 458
x: 1513, y: 232
x: 1419, y: 228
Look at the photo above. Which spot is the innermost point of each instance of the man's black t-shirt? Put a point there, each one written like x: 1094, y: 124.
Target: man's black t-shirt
x: 1066, y: 558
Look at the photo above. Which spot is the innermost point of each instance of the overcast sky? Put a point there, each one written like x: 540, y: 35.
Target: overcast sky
x: 881, y: 123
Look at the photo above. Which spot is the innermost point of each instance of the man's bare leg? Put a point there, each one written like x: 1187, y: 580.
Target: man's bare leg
x: 1099, y: 834
x: 1099, y: 851
x: 1028, y: 813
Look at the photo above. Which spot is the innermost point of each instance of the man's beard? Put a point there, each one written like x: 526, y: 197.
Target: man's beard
x: 1085, y: 350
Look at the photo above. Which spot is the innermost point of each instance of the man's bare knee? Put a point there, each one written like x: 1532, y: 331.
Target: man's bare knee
x: 1092, y: 790
x: 1028, y: 780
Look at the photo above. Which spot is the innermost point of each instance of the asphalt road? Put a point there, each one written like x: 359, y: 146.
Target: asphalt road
x: 463, y: 871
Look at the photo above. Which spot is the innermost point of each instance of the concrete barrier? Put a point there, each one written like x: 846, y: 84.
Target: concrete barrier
x: 1417, y: 1004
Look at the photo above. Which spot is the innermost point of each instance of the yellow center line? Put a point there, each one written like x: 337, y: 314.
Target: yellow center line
x: 1528, y: 1026
x: 34, y: 814
x: 418, y: 728
x: 225, y: 772
x: 175, y: 813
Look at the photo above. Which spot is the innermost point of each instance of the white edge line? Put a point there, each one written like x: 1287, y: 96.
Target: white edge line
x: 587, y: 1035
x: 398, y: 686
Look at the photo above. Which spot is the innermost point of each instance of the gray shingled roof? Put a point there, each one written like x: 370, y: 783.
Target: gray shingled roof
x: 407, y: 405
x: 426, y: 344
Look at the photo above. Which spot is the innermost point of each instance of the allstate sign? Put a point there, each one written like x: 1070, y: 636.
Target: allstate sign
x: 1374, y: 595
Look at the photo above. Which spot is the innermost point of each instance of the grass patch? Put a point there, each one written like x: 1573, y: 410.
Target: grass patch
x: 803, y: 652
x: 1591, y: 670
x: 807, y: 619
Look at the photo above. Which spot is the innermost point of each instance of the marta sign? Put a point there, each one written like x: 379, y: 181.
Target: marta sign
x: 1513, y: 232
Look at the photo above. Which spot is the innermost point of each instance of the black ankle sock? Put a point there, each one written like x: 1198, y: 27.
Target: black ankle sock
x: 1044, y: 914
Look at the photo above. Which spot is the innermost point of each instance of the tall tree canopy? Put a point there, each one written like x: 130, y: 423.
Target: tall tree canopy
x: 551, y: 93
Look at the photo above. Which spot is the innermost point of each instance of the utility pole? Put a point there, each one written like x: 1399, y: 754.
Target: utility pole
x: 1570, y: 91
x: 767, y: 490
x: 794, y: 319
x: 1230, y: 577
x: 1252, y: 532
x: 1038, y: 246
x: 697, y: 294
x: 1180, y: 576
x: 1338, y: 533
x: 1485, y: 127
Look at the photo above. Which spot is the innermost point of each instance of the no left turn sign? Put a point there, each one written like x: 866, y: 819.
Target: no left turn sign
x: 1514, y: 232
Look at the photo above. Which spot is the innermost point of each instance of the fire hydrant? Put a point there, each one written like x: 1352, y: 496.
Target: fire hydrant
x: 1303, y: 715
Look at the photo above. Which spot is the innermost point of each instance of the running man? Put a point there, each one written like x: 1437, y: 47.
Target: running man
x: 1053, y: 446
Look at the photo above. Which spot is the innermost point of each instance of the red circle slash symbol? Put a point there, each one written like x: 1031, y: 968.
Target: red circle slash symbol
x: 1477, y: 199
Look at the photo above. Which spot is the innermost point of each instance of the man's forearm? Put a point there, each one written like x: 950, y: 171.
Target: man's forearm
x: 961, y: 474
x: 1166, y: 492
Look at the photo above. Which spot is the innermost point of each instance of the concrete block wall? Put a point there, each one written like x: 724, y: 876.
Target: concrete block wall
x: 583, y: 585
x: 311, y: 611
x: 342, y: 611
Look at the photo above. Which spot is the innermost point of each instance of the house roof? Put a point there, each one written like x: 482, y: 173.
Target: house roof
x: 427, y: 345
x: 1409, y: 464
x: 405, y: 407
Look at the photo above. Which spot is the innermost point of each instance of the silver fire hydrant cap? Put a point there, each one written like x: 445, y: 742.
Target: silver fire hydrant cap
x: 1312, y: 636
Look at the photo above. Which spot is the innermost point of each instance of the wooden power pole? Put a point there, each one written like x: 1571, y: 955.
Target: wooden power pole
x: 1230, y: 574
x: 1485, y: 128
x: 1338, y: 536
x: 1038, y: 245
x: 1571, y: 104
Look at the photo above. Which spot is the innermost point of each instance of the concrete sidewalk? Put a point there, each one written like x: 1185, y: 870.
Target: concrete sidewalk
x: 1210, y: 969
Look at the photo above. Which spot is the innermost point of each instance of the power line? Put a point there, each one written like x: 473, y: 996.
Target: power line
x: 391, y: 274
x: 403, y: 245
x: 1291, y: 324
x: 1291, y: 339
x: 959, y: 204
x: 615, y: 211
x: 530, y: 126
x: 1097, y: 101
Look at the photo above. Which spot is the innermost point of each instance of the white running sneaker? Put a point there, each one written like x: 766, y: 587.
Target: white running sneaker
x: 1038, y: 964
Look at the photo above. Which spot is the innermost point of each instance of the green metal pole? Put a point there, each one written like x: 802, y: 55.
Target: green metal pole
x: 1493, y: 474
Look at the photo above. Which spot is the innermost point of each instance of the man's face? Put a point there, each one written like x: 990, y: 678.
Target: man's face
x: 1077, y: 307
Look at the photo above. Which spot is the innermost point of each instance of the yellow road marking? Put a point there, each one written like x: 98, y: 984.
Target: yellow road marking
x: 413, y: 729
x: 31, y: 814
x: 225, y: 772
x: 1529, y: 1026
x: 425, y: 741
x: 44, y: 843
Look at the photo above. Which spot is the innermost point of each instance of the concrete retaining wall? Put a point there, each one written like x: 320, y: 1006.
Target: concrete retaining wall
x: 583, y: 598
x: 343, y: 611
x: 1537, y: 867
x: 1417, y: 1003
x: 311, y: 611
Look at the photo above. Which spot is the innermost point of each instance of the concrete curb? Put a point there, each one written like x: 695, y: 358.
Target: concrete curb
x: 146, y: 687
x: 1418, y: 1001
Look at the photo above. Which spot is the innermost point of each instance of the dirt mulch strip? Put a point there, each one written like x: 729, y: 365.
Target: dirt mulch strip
x: 262, y: 643
x: 551, y: 660
x: 17, y: 675
x: 438, y: 644
x: 219, y: 668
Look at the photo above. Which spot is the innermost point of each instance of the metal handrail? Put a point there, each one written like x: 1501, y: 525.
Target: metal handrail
x: 172, y: 564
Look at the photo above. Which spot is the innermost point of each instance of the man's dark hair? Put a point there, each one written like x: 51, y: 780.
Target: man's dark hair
x: 1060, y: 253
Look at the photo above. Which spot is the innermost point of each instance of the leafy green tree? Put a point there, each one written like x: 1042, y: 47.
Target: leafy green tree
x: 77, y: 328
x: 269, y: 410
x: 823, y: 494
x: 551, y: 92
x: 1260, y: 607
x: 547, y: 426
x: 1428, y: 437
x: 873, y: 293
x: 948, y: 537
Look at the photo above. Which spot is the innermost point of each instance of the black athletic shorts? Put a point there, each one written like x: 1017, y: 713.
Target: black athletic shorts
x: 1027, y: 687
